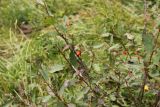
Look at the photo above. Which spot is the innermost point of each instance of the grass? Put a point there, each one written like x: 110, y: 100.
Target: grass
x: 33, y: 72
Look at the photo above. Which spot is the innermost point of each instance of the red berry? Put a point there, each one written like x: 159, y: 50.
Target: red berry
x: 124, y: 52
x: 78, y: 53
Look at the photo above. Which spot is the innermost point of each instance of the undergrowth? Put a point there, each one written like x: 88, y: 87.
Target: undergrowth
x: 117, y: 64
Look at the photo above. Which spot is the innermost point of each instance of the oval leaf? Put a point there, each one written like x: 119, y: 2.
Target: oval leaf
x: 56, y: 67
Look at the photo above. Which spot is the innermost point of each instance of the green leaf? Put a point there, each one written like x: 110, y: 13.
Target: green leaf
x: 60, y: 104
x: 73, y: 59
x: 148, y: 43
x: 65, y: 20
x: 49, y: 21
x: 97, y: 67
x: 56, y: 67
x: 154, y: 73
x: 98, y: 46
x: 46, y: 98
x: 105, y: 35
x: 62, y: 28
x: 71, y: 105
x: 114, y: 48
x: 115, y: 106
x: 40, y: 2
x: 156, y: 58
x: 112, y: 97
x: 129, y: 36
x: 44, y: 74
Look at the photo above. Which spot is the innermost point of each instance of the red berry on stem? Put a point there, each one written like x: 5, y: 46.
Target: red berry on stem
x: 125, y: 53
x: 78, y: 53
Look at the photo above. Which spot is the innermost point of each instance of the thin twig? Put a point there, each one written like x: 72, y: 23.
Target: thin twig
x: 65, y: 39
x: 79, y: 60
x: 71, y: 47
x: 82, y: 78
x: 46, y: 7
x: 146, y: 64
x: 131, y: 95
x: 54, y: 91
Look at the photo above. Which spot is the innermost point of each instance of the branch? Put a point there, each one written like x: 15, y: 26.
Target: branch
x: 73, y: 68
x: 146, y: 64
x: 54, y: 90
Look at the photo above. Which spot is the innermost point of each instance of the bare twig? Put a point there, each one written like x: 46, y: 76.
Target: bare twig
x: 131, y: 95
x: 51, y: 87
x: 157, y: 101
x: 65, y: 39
x: 46, y: 8
x: 145, y: 63
x: 71, y: 47
x: 79, y: 60
x: 123, y: 45
x: 81, y: 77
